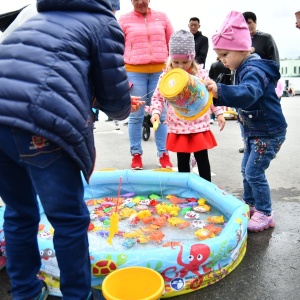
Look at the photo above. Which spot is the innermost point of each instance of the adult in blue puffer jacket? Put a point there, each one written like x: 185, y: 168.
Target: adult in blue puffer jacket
x: 51, y: 67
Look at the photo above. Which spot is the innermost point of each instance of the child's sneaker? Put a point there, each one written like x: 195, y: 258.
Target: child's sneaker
x: 2, y: 262
x: 137, y: 163
x: 259, y: 222
x: 43, y: 294
x: 165, y: 162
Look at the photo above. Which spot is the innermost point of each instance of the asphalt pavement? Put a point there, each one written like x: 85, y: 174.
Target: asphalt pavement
x: 271, y: 267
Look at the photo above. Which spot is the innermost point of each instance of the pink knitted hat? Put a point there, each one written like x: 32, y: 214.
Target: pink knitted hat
x: 233, y: 34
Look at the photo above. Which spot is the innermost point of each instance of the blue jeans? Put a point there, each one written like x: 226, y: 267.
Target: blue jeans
x: 144, y: 85
x: 257, y: 157
x: 31, y: 165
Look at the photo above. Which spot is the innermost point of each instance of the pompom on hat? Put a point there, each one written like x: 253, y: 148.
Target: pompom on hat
x: 182, y: 45
x: 233, y: 34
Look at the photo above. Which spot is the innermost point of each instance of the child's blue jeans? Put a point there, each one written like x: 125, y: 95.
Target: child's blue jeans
x: 257, y: 157
x: 31, y: 165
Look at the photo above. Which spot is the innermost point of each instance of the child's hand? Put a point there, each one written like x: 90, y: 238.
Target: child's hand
x: 221, y: 121
x: 211, y: 87
x: 155, y: 120
x: 136, y: 104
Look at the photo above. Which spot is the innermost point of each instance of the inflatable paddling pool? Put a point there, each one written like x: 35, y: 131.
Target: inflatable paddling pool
x: 187, y: 229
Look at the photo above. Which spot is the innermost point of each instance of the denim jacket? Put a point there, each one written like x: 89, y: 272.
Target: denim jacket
x: 254, y: 96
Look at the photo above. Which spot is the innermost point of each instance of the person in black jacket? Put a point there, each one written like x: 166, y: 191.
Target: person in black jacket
x: 201, y: 41
x: 51, y: 68
x: 263, y: 43
x: 219, y: 73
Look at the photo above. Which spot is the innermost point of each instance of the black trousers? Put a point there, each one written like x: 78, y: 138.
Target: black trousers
x: 183, y: 163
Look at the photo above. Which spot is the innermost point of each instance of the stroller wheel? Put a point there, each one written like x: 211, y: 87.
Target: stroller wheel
x: 146, y: 133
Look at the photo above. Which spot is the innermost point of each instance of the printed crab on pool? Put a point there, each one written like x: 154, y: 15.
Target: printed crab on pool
x: 186, y: 263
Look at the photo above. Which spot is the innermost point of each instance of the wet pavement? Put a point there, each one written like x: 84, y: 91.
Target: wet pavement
x: 271, y: 267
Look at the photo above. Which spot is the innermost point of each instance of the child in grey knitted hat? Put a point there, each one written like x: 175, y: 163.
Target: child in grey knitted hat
x: 182, y: 45
x: 186, y: 135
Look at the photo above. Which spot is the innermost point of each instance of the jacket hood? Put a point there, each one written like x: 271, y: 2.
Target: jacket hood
x: 73, y: 5
x: 270, y: 67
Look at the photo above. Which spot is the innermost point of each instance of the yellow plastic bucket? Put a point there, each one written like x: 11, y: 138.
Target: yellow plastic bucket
x: 185, y: 93
x: 133, y: 283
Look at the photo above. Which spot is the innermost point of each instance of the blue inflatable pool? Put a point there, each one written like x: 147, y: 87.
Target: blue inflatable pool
x: 188, y: 257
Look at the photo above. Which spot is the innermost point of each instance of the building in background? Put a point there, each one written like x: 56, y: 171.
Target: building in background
x: 290, y: 75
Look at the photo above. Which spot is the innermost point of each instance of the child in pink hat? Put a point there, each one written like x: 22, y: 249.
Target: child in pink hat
x: 259, y: 112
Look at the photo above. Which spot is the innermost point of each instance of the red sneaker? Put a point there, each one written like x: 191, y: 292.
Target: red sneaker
x: 165, y: 162
x: 137, y: 163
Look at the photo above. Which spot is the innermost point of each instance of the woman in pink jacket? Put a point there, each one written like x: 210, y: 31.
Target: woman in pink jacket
x: 147, y: 34
x: 186, y: 135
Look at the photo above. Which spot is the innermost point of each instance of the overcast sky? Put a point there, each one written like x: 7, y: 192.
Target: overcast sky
x: 273, y: 16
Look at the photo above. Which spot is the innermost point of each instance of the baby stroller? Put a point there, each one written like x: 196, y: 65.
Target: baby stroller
x: 146, y: 127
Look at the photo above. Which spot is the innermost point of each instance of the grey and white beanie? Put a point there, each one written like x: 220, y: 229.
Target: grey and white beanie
x: 182, y: 45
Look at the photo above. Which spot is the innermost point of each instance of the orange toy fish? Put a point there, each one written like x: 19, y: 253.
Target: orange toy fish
x: 203, y: 234
x: 215, y: 219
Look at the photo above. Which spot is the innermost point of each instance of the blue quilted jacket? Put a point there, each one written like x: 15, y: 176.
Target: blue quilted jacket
x: 55, y: 64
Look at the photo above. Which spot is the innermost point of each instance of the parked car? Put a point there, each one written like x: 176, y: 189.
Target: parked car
x: 230, y: 113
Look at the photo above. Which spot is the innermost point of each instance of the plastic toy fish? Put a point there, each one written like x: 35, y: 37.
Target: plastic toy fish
x: 198, y: 224
x: 213, y: 228
x: 175, y: 221
x: 114, y: 219
x: 201, y: 201
x: 127, y: 200
x: 133, y: 219
x: 134, y: 234
x: 192, y: 215
x: 161, y: 208
x: 91, y: 226
x: 93, y: 217
x: 148, y: 219
x: 154, y: 197
x: 129, y: 243
x: 173, y: 209
x: 153, y: 202
x: 142, y: 240
x: 203, y: 234
x: 130, y: 204
x: 160, y: 221
x: 127, y: 195
x: 127, y: 212
x: 172, y: 244
x: 190, y: 199
x: 156, y: 236
x: 145, y: 202
x: 184, y: 225
x: 202, y: 208
x: 41, y: 227
x: 148, y: 229
x: 143, y: 214
x: 141, y: 207
x: 175, y: 200
x: 91, y: 202
x: 215, y: 219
